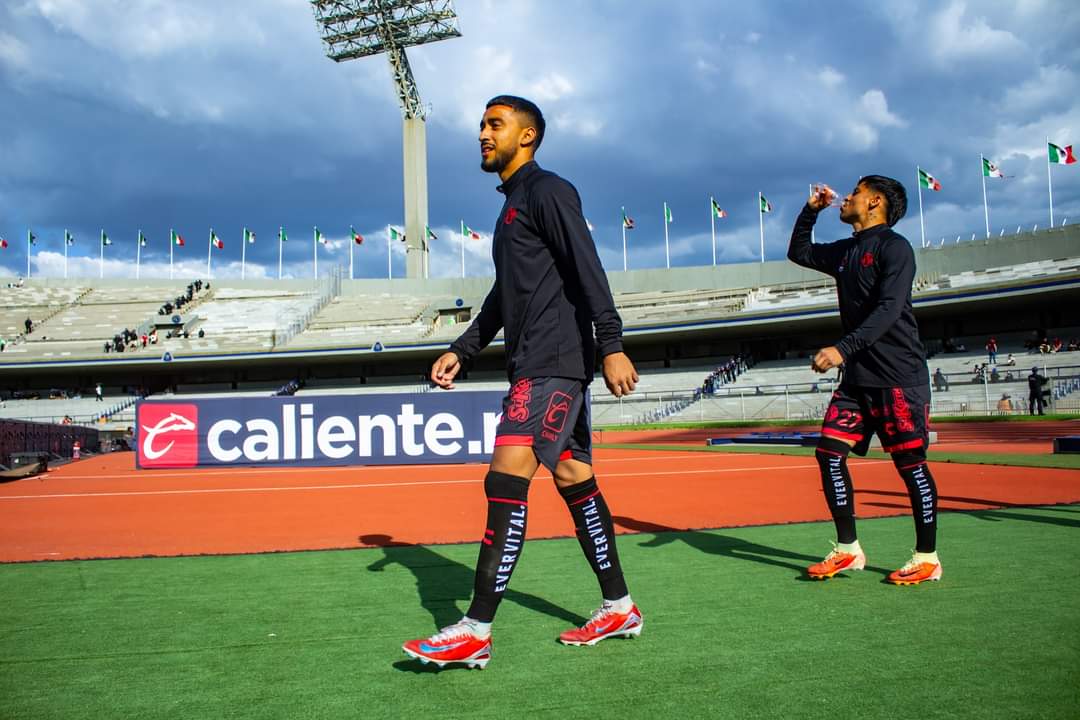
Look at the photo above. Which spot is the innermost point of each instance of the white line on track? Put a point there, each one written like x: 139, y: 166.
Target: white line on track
x: 279, y: 470
x: 363, y: 486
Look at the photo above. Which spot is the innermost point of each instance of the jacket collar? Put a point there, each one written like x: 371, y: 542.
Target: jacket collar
x: 518, y: 177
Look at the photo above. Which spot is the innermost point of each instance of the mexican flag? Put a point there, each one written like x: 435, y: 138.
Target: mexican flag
x: 249, y: 237
x: 281, y: 236
x: 215, y: 240
x: 717, y: 210
x: 177, y: 238
x: 430, y: 234
x: 469, y: 232
x: 3, y: 243
x: 927, y: 180
x: 356, y: 237
x: 69, y: 238
x: 396, y: 234
x: 766, y: 206
x: 991, y: 170
x: 31, y: 238
x: 668, y: 217
x: 142, y: 239
x: 627, y: 221
x: 320, y: 237
x: 105, y: 239
x: 1061, y: 155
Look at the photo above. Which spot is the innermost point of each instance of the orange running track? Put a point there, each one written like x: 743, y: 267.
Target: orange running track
x: 102, y: 507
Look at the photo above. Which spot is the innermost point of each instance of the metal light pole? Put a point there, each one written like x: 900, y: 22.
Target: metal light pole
x: 358, y: 28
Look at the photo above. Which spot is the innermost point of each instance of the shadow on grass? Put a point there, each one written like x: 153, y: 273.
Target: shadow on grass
x: 727, y: 546
x: 442, y: 582
x: 993, y: 515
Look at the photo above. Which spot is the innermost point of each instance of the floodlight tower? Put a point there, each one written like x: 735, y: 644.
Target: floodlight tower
x: 358, y: 28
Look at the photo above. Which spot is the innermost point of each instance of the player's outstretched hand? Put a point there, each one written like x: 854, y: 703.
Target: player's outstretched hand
x: 619, y: 374
x: 827, y: 359
x: 445, y: 369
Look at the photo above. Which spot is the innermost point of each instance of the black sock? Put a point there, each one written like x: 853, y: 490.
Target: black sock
x: 500, y: 548
x: 923, y: 493
x: 596, y: 533
x: 836, y: 482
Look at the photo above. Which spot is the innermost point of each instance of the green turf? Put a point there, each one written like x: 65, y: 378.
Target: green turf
x: 1013, y: 459
x: 732, y: 630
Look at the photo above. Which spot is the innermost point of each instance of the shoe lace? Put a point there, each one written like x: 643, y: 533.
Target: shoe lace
x: 911, y: 564
x: 834, y: 553
x: 461, y: 628
x: 600, y: 614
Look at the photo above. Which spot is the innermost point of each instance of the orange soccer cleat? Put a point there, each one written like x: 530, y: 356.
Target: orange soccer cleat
x: 835, y: 562
x: 916, y: 571
x: 603, y: 624
x: 457, y: 643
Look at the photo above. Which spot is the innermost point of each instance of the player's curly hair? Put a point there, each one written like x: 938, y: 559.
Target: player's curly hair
x: 894, y: 193
x: 528, y: 109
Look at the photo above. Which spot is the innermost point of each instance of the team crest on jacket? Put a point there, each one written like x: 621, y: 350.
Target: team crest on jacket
x: 867, y: 260
x: 511, y: 213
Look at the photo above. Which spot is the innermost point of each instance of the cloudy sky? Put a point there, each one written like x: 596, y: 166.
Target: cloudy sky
x: 155, y: 114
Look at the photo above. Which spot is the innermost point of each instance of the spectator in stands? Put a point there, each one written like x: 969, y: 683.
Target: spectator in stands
x: 1009, y: 376
x: 994, y: 375
x: 1004, y: 405
x: 108, y: 346
x: 1073, y: 345
x: 1010, y: 360
x: 98, y: 392
x: 202, y: 332
x: 145, y: 339
x: 1036, y: 394
x: 153, y: 336
x: 2, y: 344
x: 941, y: 381
x: 29, y: 325
x: 1044, y: 346
x: 1056, y: 347
x: 67, y: 420
x: 991, y: 350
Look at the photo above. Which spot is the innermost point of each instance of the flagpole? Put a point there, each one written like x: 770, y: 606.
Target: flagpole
x: 30, y: 233
x: 922, y: 226
x: 138, y: 255
x: 986, y: 206
x: 172, y: 242
x: 623, y: 223
x: 761, y: 225
x: 315, y: 251
x: 66, y: 254
x: 462, y: 248
x: 101, y: 255
x: 1049, y: 185
x: 243, y: 253
x: 209, y: 252
x: 811, y: 229
x: 389, y: 265
x: 280, y: 243
x: 352, y: 241
x: 667, y: 252
x: 712, y: 226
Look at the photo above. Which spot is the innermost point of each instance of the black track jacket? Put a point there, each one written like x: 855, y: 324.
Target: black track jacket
x: 874, y: 270
x: 550, y: 289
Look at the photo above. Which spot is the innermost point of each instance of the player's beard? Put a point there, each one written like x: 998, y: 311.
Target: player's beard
x: 497, y: 160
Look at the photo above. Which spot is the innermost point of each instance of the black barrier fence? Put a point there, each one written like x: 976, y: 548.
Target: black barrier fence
x: 19, y: 436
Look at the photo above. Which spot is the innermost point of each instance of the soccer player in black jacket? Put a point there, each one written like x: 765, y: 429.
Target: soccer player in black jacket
x: 550, y: 291
x: 885, y: 386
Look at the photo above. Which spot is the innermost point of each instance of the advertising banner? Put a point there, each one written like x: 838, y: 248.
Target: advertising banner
x: 403, y: 428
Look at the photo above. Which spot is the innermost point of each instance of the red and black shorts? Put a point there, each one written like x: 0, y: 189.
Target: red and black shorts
x: 899, y: 416
x: 550, y: 415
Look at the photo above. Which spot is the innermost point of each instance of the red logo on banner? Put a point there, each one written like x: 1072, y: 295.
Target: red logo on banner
x: 168, y: 435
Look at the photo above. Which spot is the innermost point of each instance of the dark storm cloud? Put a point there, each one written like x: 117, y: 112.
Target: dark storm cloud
x: 154, y: 115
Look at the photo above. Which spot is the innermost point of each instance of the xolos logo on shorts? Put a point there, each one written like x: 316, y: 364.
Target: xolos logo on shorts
x: 168, y: 435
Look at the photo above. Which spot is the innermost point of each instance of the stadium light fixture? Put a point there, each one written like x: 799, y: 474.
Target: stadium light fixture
x: 353, y: 29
